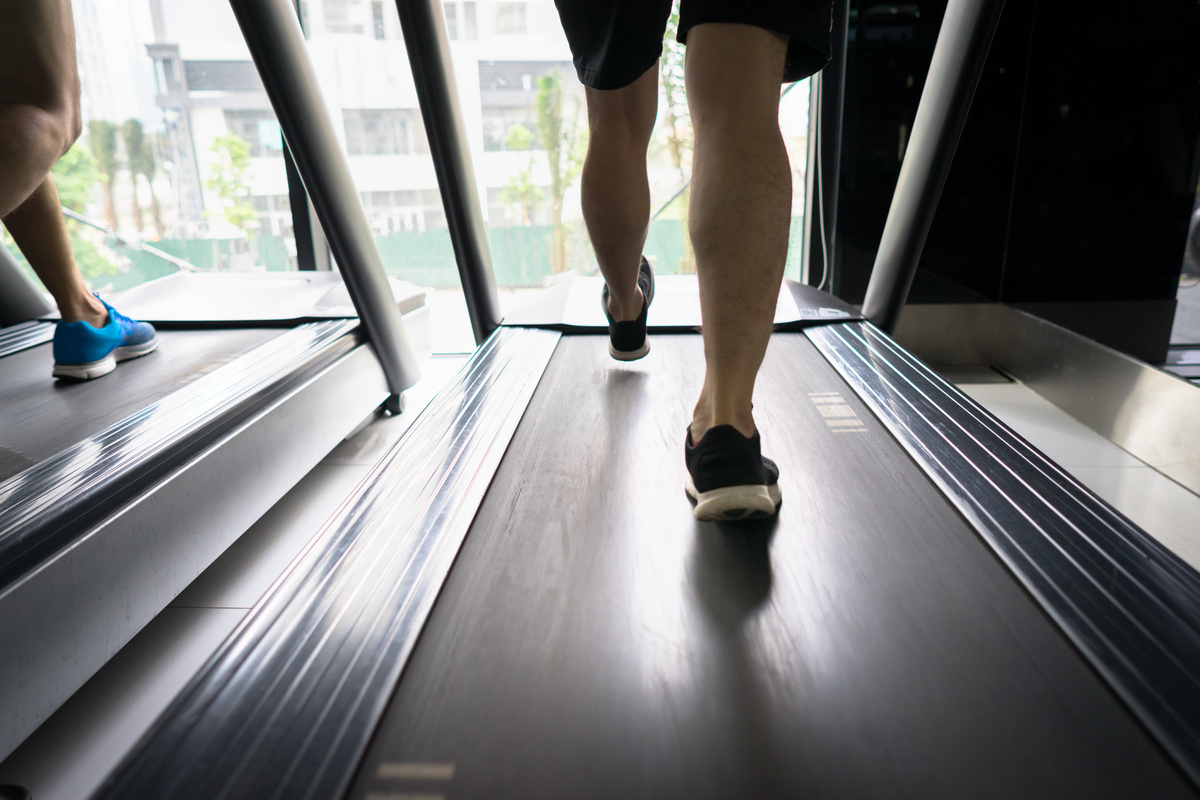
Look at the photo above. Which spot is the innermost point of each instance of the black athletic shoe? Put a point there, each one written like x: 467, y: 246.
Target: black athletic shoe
x: 728, y: 476
x: 627, y: 341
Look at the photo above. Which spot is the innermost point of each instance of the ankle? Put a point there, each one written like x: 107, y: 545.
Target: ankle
x: 628, y: 310
x: 85, y: 309
x: 702, y: 423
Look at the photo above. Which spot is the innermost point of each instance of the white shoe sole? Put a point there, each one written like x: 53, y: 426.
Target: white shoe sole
x: 751, y: 501
x: 96, y: 369
x: 629, y: 355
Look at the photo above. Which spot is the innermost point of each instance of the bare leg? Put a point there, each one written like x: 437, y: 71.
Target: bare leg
x: 39, y: 121
x: 39, y: 230
x: 39, y: 94
x: 614, y: 190
x: 740, y: 209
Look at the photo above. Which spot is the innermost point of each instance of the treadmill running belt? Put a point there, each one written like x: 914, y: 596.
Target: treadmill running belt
x: 43, y: 416
x: 594, y: 641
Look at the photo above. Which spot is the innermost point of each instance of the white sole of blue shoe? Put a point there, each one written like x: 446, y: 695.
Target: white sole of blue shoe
x: 96, y: 369
x: 85, y: 372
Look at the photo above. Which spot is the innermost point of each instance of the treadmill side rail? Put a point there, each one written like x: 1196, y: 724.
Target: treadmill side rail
x: 1129, y: 605
x: 287, y: 706
x: 96, y: 541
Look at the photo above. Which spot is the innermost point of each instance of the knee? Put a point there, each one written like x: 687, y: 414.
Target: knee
x: 38, y: 136
x: 68, y: 119
x: 733, y: 75
x: 624, y: 117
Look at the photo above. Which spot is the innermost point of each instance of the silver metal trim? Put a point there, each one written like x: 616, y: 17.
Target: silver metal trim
x: 63, y: 620
x: 1151, y: 413
x: 16, y: 338
x: 1129, y: 605
x: 286, y: 707
x: 41, y: 505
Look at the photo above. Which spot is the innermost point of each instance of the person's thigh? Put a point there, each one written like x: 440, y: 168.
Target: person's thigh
x: 613, y: 42
x: 37, y: 54
x: 807, y: 23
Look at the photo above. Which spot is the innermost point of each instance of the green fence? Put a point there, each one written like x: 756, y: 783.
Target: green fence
x: 520, y: 255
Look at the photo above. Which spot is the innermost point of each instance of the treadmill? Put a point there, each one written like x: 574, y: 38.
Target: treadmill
x: 518, y: 602
x: 116, y: 493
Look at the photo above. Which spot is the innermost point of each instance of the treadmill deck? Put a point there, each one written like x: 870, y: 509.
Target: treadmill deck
x: 594, y: 641
x: 43, y: 415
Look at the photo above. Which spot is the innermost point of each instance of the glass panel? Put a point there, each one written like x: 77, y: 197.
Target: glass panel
x: 180, y: 153
x: 508, y: 56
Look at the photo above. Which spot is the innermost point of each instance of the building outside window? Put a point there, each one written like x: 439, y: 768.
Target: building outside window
x: 461, y: 20
x: 343, y: 16
x: 384, y: 131
x: 509, y: 58
x: 510, y: 19
x: 377, y: 19
x: 260, y: 129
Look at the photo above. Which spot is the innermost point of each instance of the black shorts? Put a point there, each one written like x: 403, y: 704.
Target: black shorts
x: 614, y: 42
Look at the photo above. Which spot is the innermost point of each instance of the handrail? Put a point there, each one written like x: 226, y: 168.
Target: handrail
x: 958, y: 59
x: 428, y: 46
x: 272, y: 32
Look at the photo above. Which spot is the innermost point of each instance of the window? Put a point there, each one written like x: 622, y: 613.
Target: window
x: 498, y: 124
x: 259, y: 129
x: 384, y: 131
x: 470, y: 30
x: 403, y: 210
x: 377, y: 19
x: 341, y: 16
x: 510, y: 18
x: 461, y: 20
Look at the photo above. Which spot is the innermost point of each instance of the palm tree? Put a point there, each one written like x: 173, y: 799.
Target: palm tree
x: 135, y: 145
x: 103, y: 139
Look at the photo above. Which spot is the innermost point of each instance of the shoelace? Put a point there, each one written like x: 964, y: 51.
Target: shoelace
x: 121, y: 319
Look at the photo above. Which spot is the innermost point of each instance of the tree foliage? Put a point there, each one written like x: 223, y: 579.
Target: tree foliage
x: 137, y: 152
x: 676, y: 117
x: 521, y: 190
x: 677, y: 120
x: 227, y: 179
x: 102, y: 137
x: 76, y: 176
x: 565, y: 143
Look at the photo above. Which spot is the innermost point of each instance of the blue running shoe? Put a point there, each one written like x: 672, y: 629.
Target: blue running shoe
x: 83, y: 352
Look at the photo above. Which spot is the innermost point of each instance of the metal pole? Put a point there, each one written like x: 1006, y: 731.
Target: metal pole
x: 958, y: 60
x: 428, y: 48
x: 302, y: 222
x: 276, y: 43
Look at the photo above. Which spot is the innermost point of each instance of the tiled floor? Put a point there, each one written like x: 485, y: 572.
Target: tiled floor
x: 1159, y: 505
x: 68, y: 757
